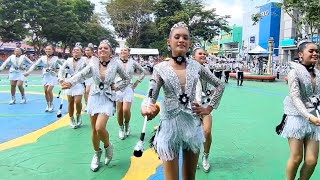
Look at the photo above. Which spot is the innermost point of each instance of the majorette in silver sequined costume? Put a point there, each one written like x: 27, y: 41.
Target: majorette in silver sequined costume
x: 102, y: 98
x: 126, y: 93
x: 179, y: 126
x: 69, y: 68
x: 50, y: 65
x: 298, y: 105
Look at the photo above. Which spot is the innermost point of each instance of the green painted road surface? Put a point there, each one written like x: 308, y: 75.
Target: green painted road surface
x: 245, y: 145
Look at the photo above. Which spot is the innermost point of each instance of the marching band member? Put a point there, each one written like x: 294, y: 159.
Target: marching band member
x: 126, y: 94
x: 180, y: 124
x: 18, y: 63
x: 50, y: 65
x: 89, y: 54
x: 300, y: 124
x: 102, y: 98
x: 70, y: 67
x: 203, y: 94
x: 218, y: 69
x: 227, y: 70
x: 239, y: 71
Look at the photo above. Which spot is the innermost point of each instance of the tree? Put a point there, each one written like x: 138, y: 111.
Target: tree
x: 127, y: 17
x: 307, y: 15
x: 149, y: 34
x: 95, y: 33
x: 50, y: 21
x: 11, y: 25
x: 71, y: 29
x: 203, y: 24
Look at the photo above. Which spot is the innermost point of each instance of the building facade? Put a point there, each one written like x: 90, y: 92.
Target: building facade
x: 259, y: 33
x: 250, y: 34
x: 289, y: 36
x: 230, y: 43
x: 269, y: 25
x: 288, y: 32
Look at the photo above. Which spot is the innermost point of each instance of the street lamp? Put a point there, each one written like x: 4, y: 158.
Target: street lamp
x: 271, y: 47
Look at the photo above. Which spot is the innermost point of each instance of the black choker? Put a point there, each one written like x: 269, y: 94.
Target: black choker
x: 104, y: 63
x: 50, y: 55
x: 309, y: 68
x: 179, y: 59
x: 76, y: 59
x: 89, y: 57
x: 124, y: 61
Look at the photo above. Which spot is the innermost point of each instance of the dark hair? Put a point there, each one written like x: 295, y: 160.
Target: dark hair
x: 91, y: 48
x: 21, y: 49
x: 195, y: 50
x: 52, y: 47
x: 303, y: 46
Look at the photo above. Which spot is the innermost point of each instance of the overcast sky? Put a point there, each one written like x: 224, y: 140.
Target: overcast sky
x: 235, y: 8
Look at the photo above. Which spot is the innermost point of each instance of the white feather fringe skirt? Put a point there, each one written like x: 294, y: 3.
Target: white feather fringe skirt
x: 16, y: 76
x: 126, y: 96
x: 100, y: 104
x: 76, y: 90
x: 184, y: 130
x: 50, y: 80
x: 298, y: 127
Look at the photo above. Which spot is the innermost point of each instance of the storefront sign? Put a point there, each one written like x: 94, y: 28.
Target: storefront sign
x: 252, y: 39
x: 226, y: 36
x: 287, y: 42
x: 265, y: 13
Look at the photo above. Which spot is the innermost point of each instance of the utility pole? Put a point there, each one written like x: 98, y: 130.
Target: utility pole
x: 271, y: 47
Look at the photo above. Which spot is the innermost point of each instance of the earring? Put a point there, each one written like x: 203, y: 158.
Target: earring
x: 300, y: 59
x: 169, y: 48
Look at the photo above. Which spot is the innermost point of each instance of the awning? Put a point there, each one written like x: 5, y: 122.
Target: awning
x: 141, y: 51
x: 258, y: 50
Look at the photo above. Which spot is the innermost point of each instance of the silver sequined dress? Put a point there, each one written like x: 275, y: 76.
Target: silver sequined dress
x: 69, y: 68
x: 101, y: 98
x: 126, y: 94
x: 17, y: 66
x: 204, y: 91
x: 89, y: 81
x: 297, y: 105
x: 49, y: 69
x: 179, y: 126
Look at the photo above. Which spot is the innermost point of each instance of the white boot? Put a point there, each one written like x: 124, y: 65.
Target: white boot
x: 73, y: 123
x: 127, y: 130
x: 121, y: 133
x: 96, y: 161
x: 205, y: 162
x: 51, y: 107
x: 23, y: 100
x: 79, y: 120
x: 13, y: 100
x: 109, y: 154
x: 47, y: 108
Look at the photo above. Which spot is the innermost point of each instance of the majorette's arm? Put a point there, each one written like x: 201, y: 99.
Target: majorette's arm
x: 206, y: 75
x: 137, y: 66
x: 81, y: 75
x: 62, y: 70
x: 295, y: 94
x: 34, y: 65
x: 7, y: 61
